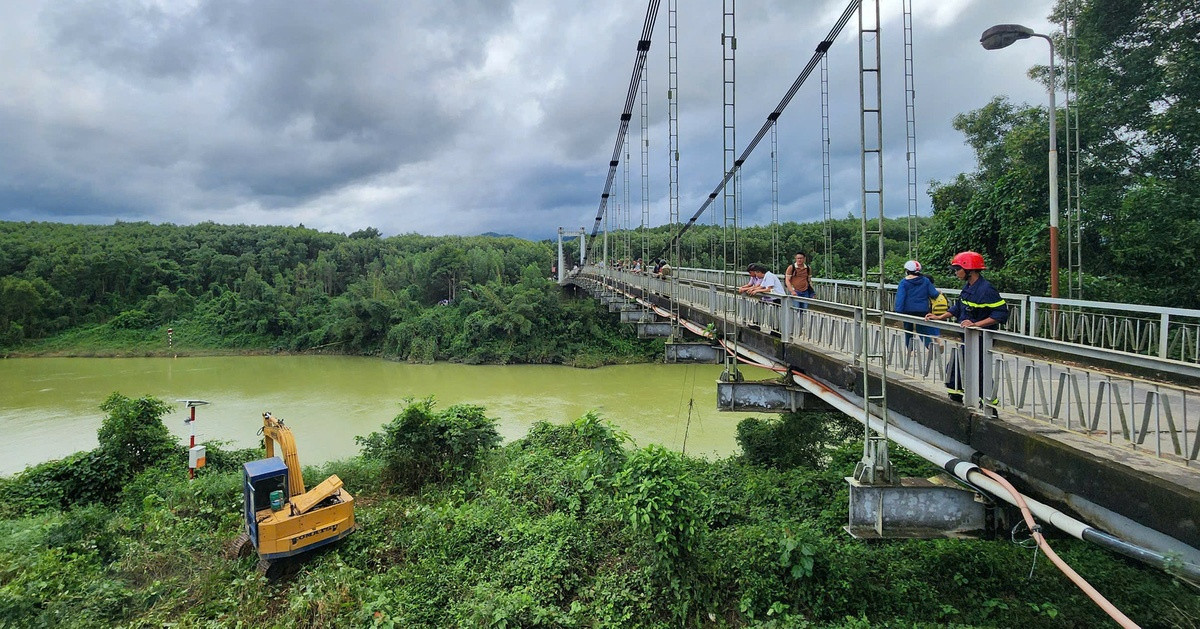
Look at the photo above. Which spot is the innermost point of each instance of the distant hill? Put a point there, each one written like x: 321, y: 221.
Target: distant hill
x: 497, y: 235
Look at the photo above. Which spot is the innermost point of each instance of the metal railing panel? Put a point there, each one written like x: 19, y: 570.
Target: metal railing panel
x: 1016, y: 376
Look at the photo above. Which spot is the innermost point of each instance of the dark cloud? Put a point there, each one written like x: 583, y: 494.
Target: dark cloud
x: 459, y: 116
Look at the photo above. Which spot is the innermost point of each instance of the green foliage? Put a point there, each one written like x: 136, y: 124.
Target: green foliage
x: 132, y: 320
x: 133, y: 435
x: 564, y: 528
x: 799, y: 439
x: 132, y: 439
x: 115, y: 290
x: 662, y: 505
x: 1138, y: 113
x: 421, y: 446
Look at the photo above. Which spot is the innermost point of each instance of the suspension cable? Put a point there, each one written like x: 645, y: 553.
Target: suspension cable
x: 639, y: 64
x: 773, y: 116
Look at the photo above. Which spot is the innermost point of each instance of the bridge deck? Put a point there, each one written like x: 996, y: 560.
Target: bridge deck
x: 1112, y: 428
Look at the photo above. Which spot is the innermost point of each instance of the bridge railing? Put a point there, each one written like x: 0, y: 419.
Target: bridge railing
x: 1042, y: 379
x: 1168, y: 333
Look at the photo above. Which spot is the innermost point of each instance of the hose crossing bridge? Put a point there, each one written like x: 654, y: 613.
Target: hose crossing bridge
x: 1094, y: 407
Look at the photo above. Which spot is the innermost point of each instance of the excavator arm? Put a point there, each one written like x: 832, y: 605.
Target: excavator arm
x: 274, y: 432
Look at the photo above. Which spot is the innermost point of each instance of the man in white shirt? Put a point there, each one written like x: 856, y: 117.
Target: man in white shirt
x: 768, y: 283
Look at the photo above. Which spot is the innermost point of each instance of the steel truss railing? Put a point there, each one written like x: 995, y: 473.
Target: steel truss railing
x: 1167, y: 333
x: 1041, y: 379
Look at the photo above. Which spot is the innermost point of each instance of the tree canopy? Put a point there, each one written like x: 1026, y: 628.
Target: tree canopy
x: 1139, y: 147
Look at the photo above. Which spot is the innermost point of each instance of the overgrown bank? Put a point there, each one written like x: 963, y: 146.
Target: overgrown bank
x: 141, y: 289
x: 570, y: 526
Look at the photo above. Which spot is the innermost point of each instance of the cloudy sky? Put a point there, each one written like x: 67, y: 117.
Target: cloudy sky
x: 455, y: 116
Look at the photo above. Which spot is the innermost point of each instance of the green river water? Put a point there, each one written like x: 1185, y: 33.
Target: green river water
x: 49, y: 407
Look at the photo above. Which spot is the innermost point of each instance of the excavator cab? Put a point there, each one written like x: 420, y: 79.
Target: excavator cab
x: 282, y: 518
x: 261, y: 479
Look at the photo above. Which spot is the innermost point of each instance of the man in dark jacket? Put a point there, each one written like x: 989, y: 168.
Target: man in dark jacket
x: 979, y: 306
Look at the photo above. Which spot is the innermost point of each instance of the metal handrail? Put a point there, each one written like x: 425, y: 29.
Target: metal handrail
x: 1164, y: 332
x: 998, y: 369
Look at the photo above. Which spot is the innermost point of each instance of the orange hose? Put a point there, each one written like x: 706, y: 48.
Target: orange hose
x: 1079, y: 581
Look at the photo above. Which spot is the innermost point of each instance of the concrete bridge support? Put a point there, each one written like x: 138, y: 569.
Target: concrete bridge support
x: 654, y: 329
x: 914, y: 508
x: 765, y: 396
x: 700, y: 353
x: 636, y: 316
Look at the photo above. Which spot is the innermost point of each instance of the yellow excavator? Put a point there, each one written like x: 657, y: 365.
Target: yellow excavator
x: 282, y: 519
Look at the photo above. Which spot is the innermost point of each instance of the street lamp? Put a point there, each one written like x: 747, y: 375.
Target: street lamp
x: 1002, y: 36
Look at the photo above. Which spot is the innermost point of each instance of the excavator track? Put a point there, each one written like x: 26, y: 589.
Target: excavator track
x: 241, y: 546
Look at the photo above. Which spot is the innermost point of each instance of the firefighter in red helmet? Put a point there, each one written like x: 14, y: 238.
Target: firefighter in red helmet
x: 979, y: 306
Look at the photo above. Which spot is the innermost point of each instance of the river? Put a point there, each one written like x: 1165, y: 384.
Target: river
x: 49, y: 407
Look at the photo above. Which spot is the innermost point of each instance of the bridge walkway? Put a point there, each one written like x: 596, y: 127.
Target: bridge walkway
x: 1117, y: 429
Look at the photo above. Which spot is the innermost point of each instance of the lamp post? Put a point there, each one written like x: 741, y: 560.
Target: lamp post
x: 1002, y: 36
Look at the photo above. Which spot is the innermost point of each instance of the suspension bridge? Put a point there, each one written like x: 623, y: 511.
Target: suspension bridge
x: 1093, y: 408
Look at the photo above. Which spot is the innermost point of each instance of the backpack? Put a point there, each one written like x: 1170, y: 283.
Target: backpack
x: 939, y: 305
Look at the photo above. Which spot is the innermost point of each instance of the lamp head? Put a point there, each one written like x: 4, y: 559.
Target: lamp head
x: 1003, y: 35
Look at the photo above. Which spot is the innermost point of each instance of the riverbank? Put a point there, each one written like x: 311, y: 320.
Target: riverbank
x: 50, y: 404
x: 568, y: 526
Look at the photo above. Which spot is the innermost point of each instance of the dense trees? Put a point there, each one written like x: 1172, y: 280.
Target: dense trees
x: 1139, y: 116
x: 478, y: 299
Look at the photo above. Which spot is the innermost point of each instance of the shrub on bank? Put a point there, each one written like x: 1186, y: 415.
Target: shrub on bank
x: 422, y: 446
x: 566, y: 527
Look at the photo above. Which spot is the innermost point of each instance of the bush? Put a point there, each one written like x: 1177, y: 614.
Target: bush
x: 132, y: 439
x: 132, y: 320
x: 663, y: 504
x: 133, y: 434
x: 800, y: 439
x: 420, y: 446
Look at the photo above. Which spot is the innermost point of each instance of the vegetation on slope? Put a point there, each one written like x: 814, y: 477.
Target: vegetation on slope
x: 570, y: 526
x: 118, y: 289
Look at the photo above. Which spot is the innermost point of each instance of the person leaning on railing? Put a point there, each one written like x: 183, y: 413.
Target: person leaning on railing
x: 914, y: 296
x: 768, y: 284
x: 754, y: 281
x: 979, y: 306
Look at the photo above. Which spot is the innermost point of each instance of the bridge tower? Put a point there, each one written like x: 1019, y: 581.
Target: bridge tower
x: 729, y: 232
x: 875, y: 466
x: 775, y: 255
x: 826, y: 177
x: 644, y: 228
x: 910, y: 116
x: 1072, y: 162
x: 562, y: 271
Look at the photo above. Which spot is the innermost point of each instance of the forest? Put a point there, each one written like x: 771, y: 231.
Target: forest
x: 118, y: 289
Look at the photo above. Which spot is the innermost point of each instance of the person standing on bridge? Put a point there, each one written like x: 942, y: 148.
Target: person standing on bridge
x: 798, y: 278
x: 913, y: 297
x: 979, y: 306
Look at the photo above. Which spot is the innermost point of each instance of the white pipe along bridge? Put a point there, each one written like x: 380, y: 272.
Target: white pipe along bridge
x: 1092, y: 407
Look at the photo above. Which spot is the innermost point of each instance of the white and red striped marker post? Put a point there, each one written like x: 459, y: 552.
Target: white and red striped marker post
x: 195, y: 456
